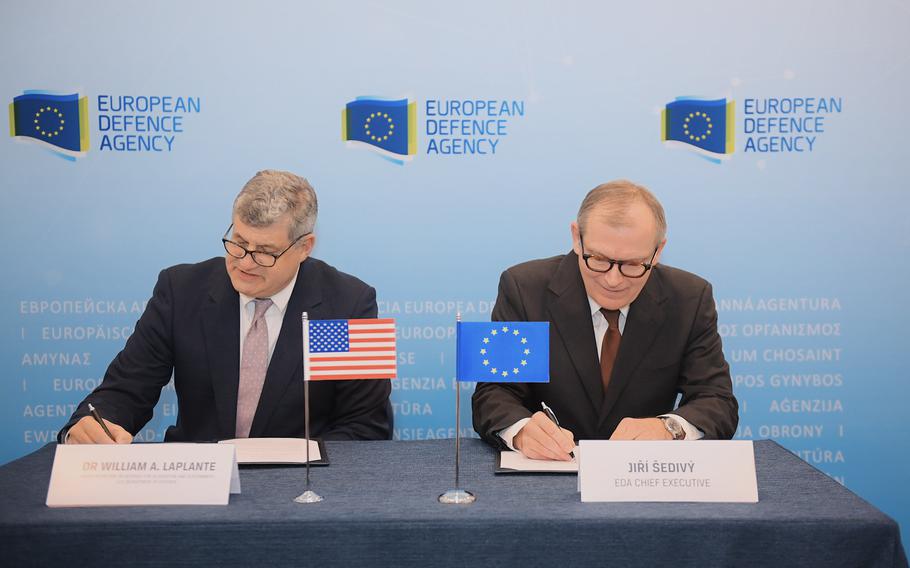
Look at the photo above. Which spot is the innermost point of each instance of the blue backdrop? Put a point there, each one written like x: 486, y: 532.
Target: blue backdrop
x: 521, y: 108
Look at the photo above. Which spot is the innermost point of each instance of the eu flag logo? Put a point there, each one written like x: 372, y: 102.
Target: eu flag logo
x: 702, y: 125
x: 385, y: 126
x: 503, y: 351
x: 59, y: 121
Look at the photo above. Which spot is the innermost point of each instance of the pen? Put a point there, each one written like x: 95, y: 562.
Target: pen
x: 98, y: 419
x: 552, y: 416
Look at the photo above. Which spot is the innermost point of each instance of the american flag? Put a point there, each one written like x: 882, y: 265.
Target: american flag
x: 336, y: 350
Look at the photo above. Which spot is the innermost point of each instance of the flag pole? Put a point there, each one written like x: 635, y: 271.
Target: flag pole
x: 307, y: 496
x: 457, y: 496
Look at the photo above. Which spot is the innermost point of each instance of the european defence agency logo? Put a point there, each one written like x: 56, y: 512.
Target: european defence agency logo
x: 56, y: 121
x: 703, y: 126
x: 387, y: 127
x: 131, y: 123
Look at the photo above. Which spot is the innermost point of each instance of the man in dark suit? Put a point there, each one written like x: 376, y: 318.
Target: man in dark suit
x: 229, y: 330
x: 626, y: 337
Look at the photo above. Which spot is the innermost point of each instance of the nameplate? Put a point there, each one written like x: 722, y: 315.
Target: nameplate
x: 713, y: 471
x: 143, y: 474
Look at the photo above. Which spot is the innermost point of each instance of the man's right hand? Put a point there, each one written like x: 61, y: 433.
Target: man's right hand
x: 88, y: 431
x: 541, y: 439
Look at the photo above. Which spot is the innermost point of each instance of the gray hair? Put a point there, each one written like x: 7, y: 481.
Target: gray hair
x: 612, y: 201
x: 270, y: 194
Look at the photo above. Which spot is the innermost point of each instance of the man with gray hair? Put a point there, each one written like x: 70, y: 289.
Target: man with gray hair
x: 627, y: 336
x: 229, y: 331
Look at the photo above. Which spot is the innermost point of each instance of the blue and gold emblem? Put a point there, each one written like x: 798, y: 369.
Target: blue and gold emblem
x: 388, y: 127
x: 705, y: 126
x: 57, y: 121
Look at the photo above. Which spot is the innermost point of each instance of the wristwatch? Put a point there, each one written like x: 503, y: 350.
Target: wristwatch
x: 674, y: 428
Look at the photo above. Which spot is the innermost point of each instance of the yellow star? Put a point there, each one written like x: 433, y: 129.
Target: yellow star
x: 527, y: 351
x: 524, y: 362
x: 515, y: 332
x: 493, y: 370
x: 505, y: 373
x: 505, y: 329
x: 483, y: 351
x: 493, y: 332
x: 515, y: 371
x: 486, y: 339
x: 486, y: 362
x: 524, y: 339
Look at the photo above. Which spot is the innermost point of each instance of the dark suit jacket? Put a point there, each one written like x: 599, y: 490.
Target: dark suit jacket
x: 191, y: 328
x: 669, y: 345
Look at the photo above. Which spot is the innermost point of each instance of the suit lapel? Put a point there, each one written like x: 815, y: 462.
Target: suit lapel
x: 646, y: 316
x: 221, y: 326
x: 287, y: 358
x: 570, y: 312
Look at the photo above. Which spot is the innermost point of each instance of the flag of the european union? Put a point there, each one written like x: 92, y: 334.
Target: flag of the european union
x: 387, y: 125
x: 701, y: 123
x: 503, y: 351
x: 58, y: 120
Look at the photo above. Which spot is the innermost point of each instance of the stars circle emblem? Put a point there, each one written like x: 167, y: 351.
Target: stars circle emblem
x: 509, y: 340
x: 49, y: 121
x: 379, y: 126
x: 697, y: 126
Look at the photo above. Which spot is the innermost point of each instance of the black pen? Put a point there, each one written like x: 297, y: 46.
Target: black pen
x: 99, y: 420
x: 552, y: 416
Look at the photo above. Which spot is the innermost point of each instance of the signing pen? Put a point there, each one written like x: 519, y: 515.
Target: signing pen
x: 552, y: 416
x: 99, y: 420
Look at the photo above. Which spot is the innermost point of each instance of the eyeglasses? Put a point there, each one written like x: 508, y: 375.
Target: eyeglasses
x: 264, y: 259
x: 628, y: 268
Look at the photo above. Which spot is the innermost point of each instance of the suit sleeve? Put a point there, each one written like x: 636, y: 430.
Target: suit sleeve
x: 497, y: 406
x: 132, y: 384
x: 707, y: 391
x: 362, y: 410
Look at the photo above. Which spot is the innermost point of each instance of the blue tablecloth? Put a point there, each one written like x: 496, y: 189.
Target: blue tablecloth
x: 380, y: 508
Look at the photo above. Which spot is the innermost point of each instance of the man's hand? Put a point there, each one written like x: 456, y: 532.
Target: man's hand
x: 641, y: 429
x: 88, y: 431
x: 541, y: 439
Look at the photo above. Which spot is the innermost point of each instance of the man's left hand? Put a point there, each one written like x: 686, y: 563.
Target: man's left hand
x: 641, y: 429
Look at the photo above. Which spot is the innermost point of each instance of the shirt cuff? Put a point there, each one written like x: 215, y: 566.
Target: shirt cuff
x: 692, y: 433
x: 508, y: 434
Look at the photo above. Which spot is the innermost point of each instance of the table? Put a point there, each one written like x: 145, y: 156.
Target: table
x: 380, y: 508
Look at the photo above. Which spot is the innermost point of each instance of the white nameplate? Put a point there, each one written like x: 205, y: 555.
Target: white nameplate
x: 714, y: 471
x: 143, y: 474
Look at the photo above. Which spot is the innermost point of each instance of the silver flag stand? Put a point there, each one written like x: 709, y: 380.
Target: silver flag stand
x: 307, y: 496
x: 457, y: 496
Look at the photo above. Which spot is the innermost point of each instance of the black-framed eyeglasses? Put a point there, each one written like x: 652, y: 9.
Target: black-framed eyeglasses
x: 628, y: 268
x: 264, y: 259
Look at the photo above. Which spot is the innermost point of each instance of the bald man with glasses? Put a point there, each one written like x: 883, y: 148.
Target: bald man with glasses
x: 627, y: 337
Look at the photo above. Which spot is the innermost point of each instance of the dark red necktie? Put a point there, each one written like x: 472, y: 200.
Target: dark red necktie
x: 610, y: 346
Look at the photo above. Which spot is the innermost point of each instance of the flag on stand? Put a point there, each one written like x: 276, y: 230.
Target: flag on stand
x: 337, y: 350
x: 503, y: 352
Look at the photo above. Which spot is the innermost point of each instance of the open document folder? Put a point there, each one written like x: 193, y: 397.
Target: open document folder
x: 515, y: 462
x: 278, y: 451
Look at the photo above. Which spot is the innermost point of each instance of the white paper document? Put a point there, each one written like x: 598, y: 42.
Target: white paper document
x: 518, y: 462
x: 273, y: 450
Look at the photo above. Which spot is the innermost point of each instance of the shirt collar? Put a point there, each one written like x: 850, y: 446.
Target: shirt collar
x: 595, y: 308
x: 280, y: 299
